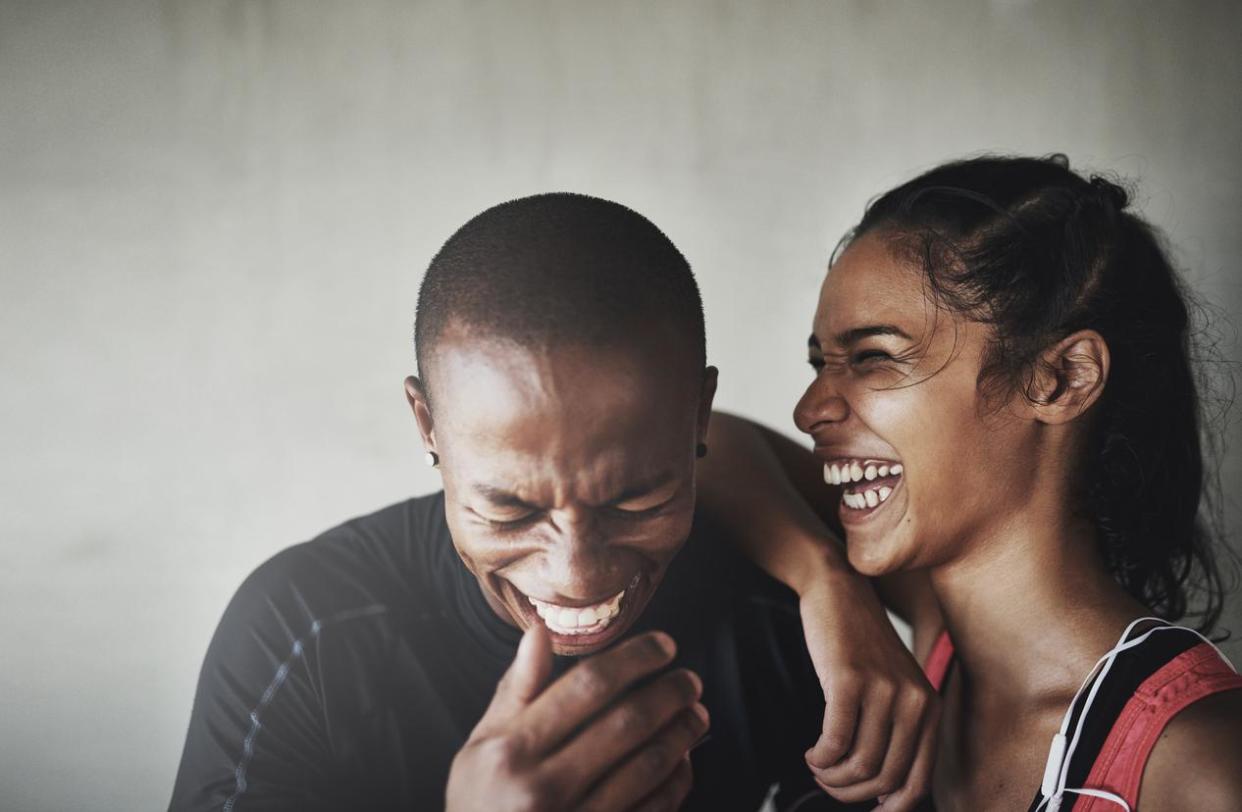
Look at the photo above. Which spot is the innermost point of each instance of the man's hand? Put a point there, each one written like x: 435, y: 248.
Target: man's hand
x: 881, y: 718
x: 589, y: 741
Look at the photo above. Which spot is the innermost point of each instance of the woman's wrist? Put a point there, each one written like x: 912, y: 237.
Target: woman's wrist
x: 819, y: 562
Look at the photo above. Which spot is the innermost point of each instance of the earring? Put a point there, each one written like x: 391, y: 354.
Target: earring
x: 700, y: 450
x: 432, y: 459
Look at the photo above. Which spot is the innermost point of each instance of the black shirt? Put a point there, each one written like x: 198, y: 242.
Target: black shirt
x: 348, y: 671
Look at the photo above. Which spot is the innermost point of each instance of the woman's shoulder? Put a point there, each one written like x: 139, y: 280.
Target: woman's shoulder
x: 1194, y: 763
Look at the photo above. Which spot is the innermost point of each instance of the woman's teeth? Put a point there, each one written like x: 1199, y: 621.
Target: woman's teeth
x: 859, y: 471
x: 578, y: 620
x: 847, y: 472
x: 866, y: 499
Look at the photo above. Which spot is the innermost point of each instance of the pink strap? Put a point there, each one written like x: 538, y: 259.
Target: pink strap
x: 1187, y: 678
x: 938, y: 661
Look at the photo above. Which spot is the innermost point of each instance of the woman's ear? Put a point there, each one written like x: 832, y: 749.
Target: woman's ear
x: 1069, y: 377
x: 416, y: 395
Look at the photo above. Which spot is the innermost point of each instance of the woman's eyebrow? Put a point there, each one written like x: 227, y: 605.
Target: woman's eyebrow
x: 856, y: 334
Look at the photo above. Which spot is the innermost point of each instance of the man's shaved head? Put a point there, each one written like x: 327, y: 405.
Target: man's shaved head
x: 557, y: 269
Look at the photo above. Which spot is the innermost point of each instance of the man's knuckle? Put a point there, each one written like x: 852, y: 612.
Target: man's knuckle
x: 656, y: 757
x: 590, y: 682
x: 540, y: 792
x: 501, y: 752
x: 629, y: 722
x: 849, y: 679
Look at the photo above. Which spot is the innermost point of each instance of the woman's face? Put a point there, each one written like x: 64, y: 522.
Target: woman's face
x: 928, y: 467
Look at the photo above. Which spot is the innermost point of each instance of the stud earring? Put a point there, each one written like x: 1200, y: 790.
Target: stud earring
x: 432, y: 459
x: 700, y: 450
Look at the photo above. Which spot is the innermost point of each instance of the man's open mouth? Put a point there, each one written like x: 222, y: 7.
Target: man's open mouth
x: 584, y: 623
x: 578, y: 620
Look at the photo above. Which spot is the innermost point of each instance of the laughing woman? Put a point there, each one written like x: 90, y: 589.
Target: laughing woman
x: 1005, y: 403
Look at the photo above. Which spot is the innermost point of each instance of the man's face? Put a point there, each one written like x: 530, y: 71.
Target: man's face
x: 568, y: 475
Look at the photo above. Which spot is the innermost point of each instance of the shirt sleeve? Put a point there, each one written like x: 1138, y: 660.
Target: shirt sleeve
x: 255, y: 739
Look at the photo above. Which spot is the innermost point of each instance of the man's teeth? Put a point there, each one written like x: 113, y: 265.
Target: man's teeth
x: 578, y: 620
x: 847, y: 472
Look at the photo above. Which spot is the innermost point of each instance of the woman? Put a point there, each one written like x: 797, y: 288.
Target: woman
x: 1005, y: 397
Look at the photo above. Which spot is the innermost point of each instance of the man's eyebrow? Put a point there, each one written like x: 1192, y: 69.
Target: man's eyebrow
x: 856, y: 334
x: 500, y: 497
x: 641, y: 488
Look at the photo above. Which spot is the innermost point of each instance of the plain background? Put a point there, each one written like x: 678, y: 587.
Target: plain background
x: 214, y: 217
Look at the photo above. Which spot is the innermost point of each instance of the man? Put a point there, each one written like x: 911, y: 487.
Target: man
x: 423, y: 656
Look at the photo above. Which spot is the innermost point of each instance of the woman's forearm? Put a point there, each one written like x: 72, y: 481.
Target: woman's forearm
x: 757, y: 484
x: 771, y: 492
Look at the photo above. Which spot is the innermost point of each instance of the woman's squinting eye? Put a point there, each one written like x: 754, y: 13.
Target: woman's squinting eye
x: 869, y: 356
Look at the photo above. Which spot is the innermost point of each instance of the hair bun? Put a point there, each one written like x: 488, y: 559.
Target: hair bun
x: 1109, y: 192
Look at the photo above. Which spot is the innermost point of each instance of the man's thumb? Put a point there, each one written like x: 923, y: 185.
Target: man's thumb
x: 525, y: 678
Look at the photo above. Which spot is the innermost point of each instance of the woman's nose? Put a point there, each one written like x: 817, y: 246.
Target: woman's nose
x: 821, y: 405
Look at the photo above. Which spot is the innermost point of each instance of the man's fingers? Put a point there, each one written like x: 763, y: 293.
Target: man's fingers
x: 918, y: 780
x: 592, y: 685
x: 864, y: 760
x: 671, y: 793
x: 633, y: 726
x: 842, y: 699
x: 523, y: 681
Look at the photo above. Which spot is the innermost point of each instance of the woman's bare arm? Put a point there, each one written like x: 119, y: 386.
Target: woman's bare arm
x: 772, y: 491
x: 880, y: 715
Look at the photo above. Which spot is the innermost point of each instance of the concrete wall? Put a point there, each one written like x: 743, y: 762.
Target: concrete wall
x: 214, y: 215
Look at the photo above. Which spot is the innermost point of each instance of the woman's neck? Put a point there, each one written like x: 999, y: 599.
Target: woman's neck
x: 1031, y: 607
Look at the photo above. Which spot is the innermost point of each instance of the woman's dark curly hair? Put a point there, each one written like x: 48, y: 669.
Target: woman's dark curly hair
x: 1038, y: 252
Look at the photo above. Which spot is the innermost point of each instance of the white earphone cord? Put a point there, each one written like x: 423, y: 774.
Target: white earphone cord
x: 1056, y: 769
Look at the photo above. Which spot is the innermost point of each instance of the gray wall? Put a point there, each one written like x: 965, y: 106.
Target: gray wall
x: 213, y: 217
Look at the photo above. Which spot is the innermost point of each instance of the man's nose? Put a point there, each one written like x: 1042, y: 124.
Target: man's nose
x: 821, y: 405
x: 579, y: 561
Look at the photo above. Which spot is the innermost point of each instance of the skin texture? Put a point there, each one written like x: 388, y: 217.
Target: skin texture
x: 984, y: 507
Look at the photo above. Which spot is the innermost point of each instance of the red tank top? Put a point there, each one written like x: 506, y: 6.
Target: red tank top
x: 1158, y: 683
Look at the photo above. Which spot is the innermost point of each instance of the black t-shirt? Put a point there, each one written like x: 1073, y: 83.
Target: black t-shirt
x: 348, y: 671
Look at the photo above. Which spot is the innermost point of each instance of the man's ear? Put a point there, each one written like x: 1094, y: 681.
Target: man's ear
x: 416, y: 395
x: 1069, y: 377
x: 707, y: 394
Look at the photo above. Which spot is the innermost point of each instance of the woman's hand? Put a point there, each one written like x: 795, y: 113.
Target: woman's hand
x: 881, y: 714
